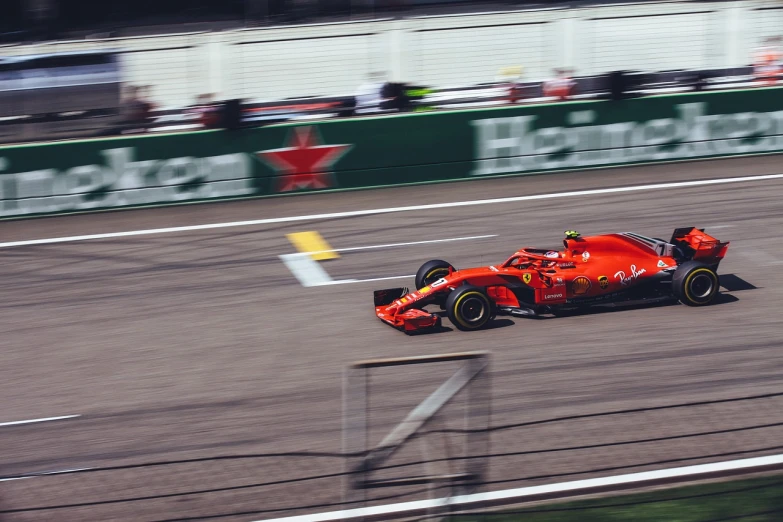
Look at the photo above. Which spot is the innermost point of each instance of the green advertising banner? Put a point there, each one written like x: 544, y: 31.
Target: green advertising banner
x: 385, y: 150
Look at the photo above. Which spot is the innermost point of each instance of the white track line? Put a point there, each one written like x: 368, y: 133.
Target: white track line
x: 44, y: 473
x: 369, y: 212
x: 350, y: 281
x: 564, y: 489
x: 310, y: 273
x: 306, y: 270
x: 347, y: 281
x: 33, y: 421
x: 392, y: 245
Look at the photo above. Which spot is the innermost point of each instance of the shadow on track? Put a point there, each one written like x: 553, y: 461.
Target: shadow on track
x: 494, y: 324
x: 734, y: 283
x: 722, y: 298
x: 499, y: 323
x: 730, y: 282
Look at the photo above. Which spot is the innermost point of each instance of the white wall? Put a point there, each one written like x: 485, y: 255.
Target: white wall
x: 464, y: 50
x: 316, y: 60
x: 624, y: 38
x: 440, y: 51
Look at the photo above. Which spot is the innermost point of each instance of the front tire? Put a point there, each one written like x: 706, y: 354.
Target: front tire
x: 695, y: 284
x: 469, y: 308
x: 431, y: 271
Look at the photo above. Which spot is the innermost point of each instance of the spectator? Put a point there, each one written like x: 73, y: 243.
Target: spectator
x: 369, y: 94
x: 768, y: 62
x: 512, y: 78
x: 206, y: 111
x: 561, y: 86
x: 135, y: 110
x: 395, y: 97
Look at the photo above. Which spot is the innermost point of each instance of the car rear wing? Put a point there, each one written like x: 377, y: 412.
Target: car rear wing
x: 699, y: 246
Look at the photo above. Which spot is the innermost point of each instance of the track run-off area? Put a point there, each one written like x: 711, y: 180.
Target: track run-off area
x: 151, y: 341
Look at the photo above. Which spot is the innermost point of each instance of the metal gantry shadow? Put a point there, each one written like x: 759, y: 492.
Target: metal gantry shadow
x: 458, y: 476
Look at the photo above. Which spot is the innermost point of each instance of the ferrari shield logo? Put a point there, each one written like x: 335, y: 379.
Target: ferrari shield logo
x: 526, y: 278
x: 604, y: 282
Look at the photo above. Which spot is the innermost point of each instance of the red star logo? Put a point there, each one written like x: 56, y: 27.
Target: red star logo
x: 305, y: 162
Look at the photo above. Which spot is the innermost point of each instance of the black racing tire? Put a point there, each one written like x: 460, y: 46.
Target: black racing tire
x: 431, y: 271
x: 469, y: 308
x: 695, y: 284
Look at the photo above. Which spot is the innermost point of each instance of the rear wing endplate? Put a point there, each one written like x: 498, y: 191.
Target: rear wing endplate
x: 696, y: 244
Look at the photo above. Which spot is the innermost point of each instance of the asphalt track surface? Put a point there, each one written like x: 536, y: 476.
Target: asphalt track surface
x: 202, y: 343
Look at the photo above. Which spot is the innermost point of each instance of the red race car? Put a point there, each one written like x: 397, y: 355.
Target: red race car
x: 589, y: 271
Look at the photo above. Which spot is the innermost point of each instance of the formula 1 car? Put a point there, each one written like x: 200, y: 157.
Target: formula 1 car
x: 589, y: 271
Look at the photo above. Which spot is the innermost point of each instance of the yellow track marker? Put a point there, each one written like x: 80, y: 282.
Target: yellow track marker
x: 312, y: 242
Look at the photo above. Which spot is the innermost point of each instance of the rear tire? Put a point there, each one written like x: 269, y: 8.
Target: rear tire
x: 695, y: 284
x: 469, y: 308
x: 431, y: 271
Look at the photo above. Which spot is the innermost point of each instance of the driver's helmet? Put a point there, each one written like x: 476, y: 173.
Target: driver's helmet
x: 570, y: 235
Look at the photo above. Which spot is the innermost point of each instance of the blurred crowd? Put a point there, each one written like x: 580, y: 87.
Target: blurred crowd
x: 376, y: 95
x: 768, y: 61
x: 138, y: 110
x: 379, y: 95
